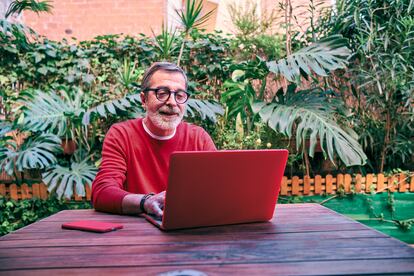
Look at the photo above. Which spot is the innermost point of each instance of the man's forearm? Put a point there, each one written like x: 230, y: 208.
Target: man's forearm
x: 130, y: 204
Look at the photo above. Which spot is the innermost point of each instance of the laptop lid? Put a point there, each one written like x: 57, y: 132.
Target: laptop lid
x: 222, y: 187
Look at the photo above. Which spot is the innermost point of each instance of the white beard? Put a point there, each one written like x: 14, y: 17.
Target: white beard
x: 163, y: 122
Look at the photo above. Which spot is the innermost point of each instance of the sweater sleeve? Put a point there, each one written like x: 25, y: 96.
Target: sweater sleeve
x: 107, y: 188
x: 208, y: 144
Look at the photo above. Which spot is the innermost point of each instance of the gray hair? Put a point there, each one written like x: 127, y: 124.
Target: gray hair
x: 161, y: 66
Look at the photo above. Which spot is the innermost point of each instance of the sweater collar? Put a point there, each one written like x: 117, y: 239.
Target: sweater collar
x: 157, y: 137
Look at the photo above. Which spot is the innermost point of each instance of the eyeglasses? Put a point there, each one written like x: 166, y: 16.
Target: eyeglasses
x: 163, y: 94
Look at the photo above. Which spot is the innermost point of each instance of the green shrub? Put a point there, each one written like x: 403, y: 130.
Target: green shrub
x: 16, y: 214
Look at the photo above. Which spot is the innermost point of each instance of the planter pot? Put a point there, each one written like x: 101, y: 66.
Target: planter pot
x: 68, y: 146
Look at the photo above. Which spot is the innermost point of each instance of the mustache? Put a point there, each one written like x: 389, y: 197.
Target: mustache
x: 167, y: 109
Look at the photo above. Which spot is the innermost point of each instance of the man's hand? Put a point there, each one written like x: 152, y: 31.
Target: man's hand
x: 154, y: 205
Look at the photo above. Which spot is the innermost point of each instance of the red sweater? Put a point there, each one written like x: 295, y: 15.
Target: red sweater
x: 133, y: 162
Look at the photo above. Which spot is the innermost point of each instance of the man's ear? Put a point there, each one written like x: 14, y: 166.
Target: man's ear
x: 143, y: 99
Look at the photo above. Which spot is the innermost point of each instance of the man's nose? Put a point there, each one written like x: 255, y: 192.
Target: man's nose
x: 171, y: 100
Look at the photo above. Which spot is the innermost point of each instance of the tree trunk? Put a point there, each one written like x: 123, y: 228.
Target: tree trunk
x: 386, y: 140
x: 288, y: 19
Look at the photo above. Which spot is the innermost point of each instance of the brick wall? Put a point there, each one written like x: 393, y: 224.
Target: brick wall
x: 85, y: 19
x: 300, y: 13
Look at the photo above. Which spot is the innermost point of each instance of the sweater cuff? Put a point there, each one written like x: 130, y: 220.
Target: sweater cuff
x: 111, y: 201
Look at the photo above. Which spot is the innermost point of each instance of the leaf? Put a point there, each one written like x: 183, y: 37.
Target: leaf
x: 35, y: 153
x: 191, y: 17
x: 16, y: 7
x: 321, y: 57
x: 66, y: 178
x: 165, y: 42
x: 42, y: 70
x: 204, y: 109
x: 50, y: 112
x: 127, y: 103
x: 237, y: 75
x: 88, y: 78
x: 313, y: 118
x: 38, y: 57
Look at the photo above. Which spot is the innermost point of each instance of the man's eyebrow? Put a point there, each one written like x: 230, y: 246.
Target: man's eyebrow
x: 166, y: 87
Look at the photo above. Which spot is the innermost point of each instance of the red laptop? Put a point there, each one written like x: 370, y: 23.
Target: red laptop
x: 221, y: 187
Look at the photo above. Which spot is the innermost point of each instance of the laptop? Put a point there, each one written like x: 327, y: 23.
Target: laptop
x: 211, y: 188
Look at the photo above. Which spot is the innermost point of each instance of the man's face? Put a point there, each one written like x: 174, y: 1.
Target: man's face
x: 163, y: 117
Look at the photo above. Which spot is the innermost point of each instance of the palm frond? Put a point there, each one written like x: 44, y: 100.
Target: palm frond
x: 36, y: 153
x: 313, y: 118
x: 17, y: 6
x: 128, y: 73
x: 114, y: 107
x: 63, y: 180
x: 165, y: 43
x: 131, y: 103
x: 321, y: 57
x: 191, y: 16
x: 204, y: 109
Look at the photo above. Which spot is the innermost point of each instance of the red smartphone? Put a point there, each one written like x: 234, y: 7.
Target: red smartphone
x: 92, y: 226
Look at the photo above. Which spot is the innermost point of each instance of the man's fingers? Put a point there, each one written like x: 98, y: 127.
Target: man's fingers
x: 156, y: 209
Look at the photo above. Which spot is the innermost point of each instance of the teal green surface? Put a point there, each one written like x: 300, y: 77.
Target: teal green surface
x: 358, y: 207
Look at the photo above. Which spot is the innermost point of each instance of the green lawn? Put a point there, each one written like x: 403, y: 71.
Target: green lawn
x: 367, y: 208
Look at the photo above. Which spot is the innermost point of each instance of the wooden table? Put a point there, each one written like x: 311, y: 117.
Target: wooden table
x: 302, y: 239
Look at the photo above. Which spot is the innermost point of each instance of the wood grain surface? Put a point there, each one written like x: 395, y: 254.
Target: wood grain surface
x: 302, y: 239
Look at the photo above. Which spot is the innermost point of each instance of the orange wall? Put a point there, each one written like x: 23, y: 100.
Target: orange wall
x: 85, y: 19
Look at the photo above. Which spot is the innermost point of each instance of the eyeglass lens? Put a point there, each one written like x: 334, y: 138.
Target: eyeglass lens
x: 163, y: 95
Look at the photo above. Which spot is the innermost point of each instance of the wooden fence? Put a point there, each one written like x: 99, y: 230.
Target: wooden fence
x: 37, y: 190
x: 290, y: 186
x: 358, y: 183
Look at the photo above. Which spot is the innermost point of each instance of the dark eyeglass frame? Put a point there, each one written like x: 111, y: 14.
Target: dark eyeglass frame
x: 166, y: 89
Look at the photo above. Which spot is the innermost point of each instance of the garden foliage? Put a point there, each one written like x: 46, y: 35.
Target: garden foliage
x: 59, y: 98
x: 16, y: 214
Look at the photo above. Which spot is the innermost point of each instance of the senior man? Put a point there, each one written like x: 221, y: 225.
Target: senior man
x: 133, y: 174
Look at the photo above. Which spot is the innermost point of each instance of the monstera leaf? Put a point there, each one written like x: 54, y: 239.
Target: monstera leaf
x: 321, y: 57
x: 52, y: 112
x: 63, y: 180
x: 310, y: 114
x: 35, y: 153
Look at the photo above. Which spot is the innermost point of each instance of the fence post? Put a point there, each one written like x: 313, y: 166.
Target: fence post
x: 35, y: 190
x: 3, y: 189
x: 306, y: 185
x: 88, y: 192
x: 25, y: 191
x: 391, y: 183
x: 402, y: 184
x: 412, y: 184
x: 283, y: 188
x: 358, y: 181
x: 328, y: 184
x: 318, y: 184
x: 368, y: 182
x: 340, y: 181
x: 295, y: 185
x: 380, y: 182
x: 43, y: 191
x: 347, y: 183
x: 13, y: 192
